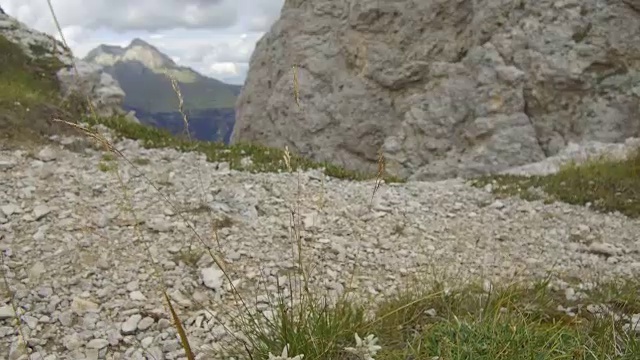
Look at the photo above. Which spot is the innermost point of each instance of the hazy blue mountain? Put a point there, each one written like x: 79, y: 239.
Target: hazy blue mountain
x: 142, y: 71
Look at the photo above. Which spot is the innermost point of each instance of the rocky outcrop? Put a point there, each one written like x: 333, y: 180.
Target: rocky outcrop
x: 34, y: 43
x: 444, y: 88
x: 104, y: 91
x: 90, y: 80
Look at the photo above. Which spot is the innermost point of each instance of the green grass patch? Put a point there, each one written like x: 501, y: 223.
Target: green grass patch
x: 25, y: 79
x: 511, y: 322
x: 106, y: 167
x: 108, y: 157
x: 605, y: 185
x: 189, y: 257
x: 261, y: 158
x: 141, y: 161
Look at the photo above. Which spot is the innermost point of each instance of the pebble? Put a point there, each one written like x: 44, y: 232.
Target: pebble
x: 131, y: 324
x: 145, y: 323
x: 40, y: 211
x: 97, y: 344
x: 10, y: 209
x: 603, y: 249
x: 212, y: 278
x: 6, y: 312
x: 137, y: 296
x: 46, y: 154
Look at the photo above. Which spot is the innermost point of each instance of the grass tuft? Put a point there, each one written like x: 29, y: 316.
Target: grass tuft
x: 429, y: 322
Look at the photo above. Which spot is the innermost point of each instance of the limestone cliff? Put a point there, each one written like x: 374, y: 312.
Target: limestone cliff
x: 445, y: 87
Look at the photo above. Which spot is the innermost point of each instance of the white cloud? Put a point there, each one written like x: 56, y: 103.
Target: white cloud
x: 224, y: 68
x: 215, y: 37
x: 225, y: 71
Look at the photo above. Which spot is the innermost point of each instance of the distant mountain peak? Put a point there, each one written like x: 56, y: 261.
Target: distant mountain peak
x: 139, y: 42
x: 140, y: 56
x: 138, y: 50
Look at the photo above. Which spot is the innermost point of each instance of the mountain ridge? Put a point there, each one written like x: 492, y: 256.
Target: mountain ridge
x: 105, y: 54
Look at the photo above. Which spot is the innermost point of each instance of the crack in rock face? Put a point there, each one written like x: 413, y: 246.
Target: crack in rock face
x: 446, y: 89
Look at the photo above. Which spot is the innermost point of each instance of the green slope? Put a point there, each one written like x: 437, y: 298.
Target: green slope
x: 29, y: 96
x: 153, y: 91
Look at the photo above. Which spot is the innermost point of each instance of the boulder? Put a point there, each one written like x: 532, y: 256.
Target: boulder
x: 103, y: 90
x: 444, y: 88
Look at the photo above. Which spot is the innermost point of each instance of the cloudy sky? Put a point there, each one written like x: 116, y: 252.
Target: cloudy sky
x: 215, y: 37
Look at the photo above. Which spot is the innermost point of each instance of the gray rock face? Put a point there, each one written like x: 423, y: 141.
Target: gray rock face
x: 103, y: 91
x: 445, y: 88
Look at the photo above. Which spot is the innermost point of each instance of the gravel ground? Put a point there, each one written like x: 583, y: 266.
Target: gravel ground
x: 88, y: 282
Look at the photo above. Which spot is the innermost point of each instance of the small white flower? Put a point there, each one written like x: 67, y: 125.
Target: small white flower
x: 285, y: 355
x: 365, y: 349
